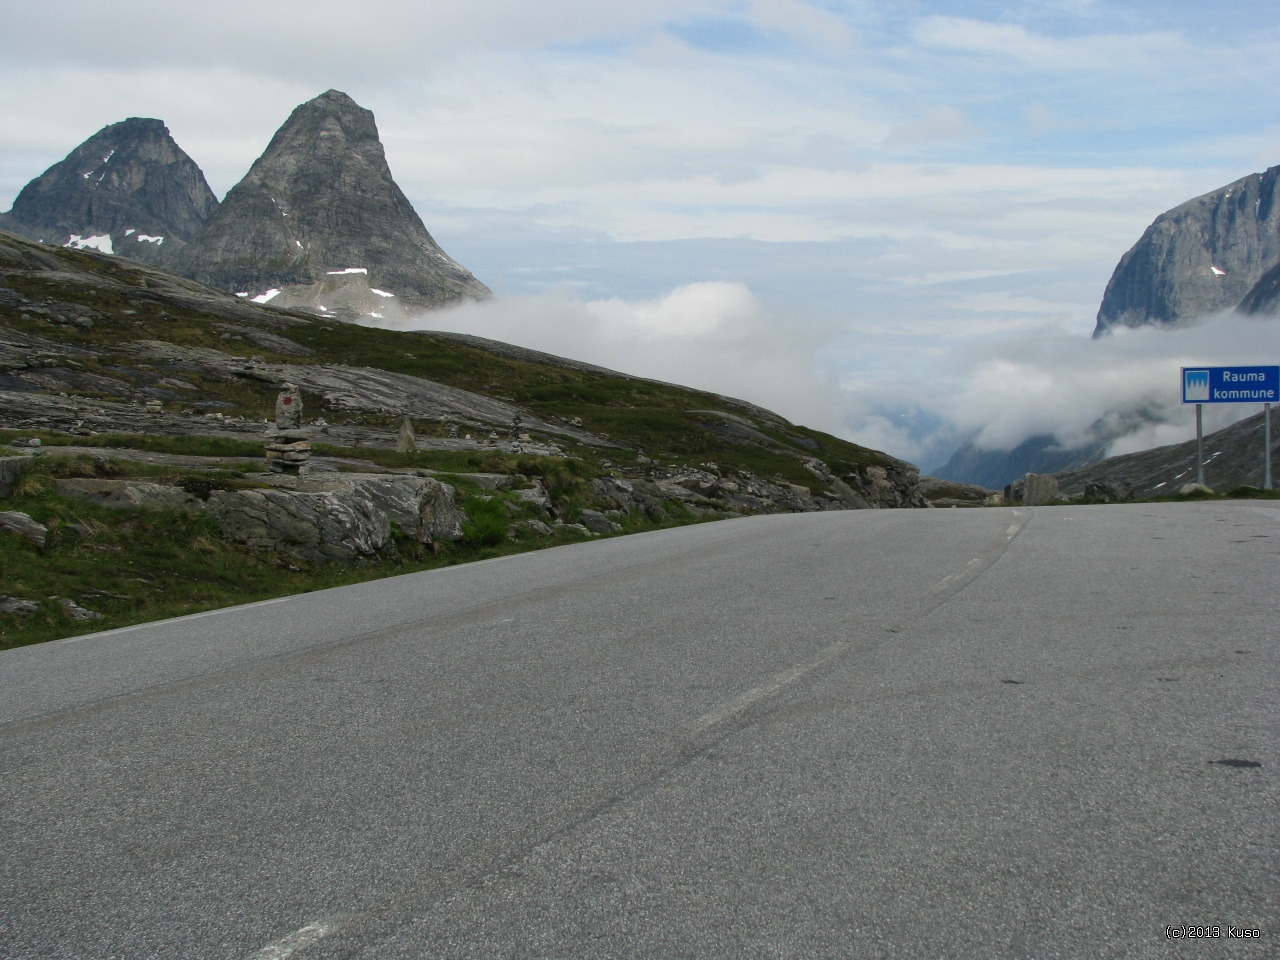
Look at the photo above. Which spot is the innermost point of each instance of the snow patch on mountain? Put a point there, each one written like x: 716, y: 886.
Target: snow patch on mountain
x: 98, y: 241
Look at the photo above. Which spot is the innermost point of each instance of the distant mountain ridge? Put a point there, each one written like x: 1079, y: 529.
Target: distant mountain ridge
x: 1217, y: 252
x: 318, y: 223
x: 129, y: 190
x: 994, y: 469
x: 319, y: 212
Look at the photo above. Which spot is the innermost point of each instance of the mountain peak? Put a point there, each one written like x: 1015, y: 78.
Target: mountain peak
x: 1201, y: 257
x: 321, y: 202
x: 128, y: 189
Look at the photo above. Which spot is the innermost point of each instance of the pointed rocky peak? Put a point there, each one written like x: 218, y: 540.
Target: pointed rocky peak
x: 321, y: 202
x: 1201, y: 257
x: 129, y: 189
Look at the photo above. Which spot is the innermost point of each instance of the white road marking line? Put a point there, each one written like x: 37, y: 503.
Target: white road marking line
x: 189, y: 616
x: 298, y: 940
x: 1020, y: 521
x: 741, y: 702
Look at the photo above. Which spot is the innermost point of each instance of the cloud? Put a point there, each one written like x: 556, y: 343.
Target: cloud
x: 910, y: 396
x: 938, y: 125
x: 712, y: 336
x: 1015, y: 43
x: 1006, y: 387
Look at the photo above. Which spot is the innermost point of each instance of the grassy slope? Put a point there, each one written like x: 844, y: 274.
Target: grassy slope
x: 134, y: 566
x: 141, y: 566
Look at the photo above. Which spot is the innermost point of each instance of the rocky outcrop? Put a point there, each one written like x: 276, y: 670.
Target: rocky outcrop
x: 1264, y: 298
x: 347, y: 518
x: 320, y: 205
x: 16, y: 522
x: 709, y: 488
x: 1201, y: 257
x: 129, y: 190
x: 18, y: 605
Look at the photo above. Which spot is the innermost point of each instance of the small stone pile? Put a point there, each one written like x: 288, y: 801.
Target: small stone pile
x: 289, y: 446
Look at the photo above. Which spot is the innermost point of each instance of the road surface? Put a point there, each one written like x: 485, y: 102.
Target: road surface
x: 1037, y: 732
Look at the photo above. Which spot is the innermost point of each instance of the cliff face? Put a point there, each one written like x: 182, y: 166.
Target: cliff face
x: 1198, y: 258
x: 321, y: 203
x: 129, y: 190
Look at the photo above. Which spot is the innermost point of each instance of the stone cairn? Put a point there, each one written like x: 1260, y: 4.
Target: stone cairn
x: 289, y: 443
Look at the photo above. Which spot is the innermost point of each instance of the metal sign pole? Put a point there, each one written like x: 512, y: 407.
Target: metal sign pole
x: 1199, y: 446
x: 1266, y: 446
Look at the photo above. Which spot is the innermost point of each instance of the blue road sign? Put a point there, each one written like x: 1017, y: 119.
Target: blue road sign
x: 1231, y: 384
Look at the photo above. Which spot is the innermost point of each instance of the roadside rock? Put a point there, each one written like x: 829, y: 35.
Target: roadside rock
x: 1189, y: 488
x: 1104, y: 491
x: 77, y: 612
x: 312, y: 526
x: 23, y: 608
x: 615, y: 493
x: 1039, y: 489
x: 536, y: 495
x: 23, y: 526
x: 346, y: 517
x: 597, y: 522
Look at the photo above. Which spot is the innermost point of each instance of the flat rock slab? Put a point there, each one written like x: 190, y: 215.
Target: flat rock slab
x: 128, y: 494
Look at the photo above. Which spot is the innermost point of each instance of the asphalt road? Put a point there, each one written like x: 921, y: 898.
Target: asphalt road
x: 1048, y: 732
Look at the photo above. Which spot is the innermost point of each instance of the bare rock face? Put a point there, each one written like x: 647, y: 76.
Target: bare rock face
x: 1264, y: 298
x: 321, y: 203
x: 346, y: 518
x: 1201, y: 257
x: 129, y: 190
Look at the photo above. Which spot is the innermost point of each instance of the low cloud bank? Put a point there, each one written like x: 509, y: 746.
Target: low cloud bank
x: 712, y: 336
x: 1126, y: 386
x: 997, y: 388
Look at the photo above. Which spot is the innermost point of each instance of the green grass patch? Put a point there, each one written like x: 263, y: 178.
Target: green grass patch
x: 1252, y: 493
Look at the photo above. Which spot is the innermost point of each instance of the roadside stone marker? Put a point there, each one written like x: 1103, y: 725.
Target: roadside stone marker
x: 407, y: 442
x: 1041, y: 488
x: 289, y: 446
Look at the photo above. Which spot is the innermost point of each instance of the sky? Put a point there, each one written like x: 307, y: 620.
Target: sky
x: 890, y: 220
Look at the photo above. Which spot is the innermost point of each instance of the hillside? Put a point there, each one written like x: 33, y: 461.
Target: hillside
x: 1233, y: 457
x: 150, y: 396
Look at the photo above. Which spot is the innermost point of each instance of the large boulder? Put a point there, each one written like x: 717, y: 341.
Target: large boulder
x: 346, y: 517
x: 312, y: 526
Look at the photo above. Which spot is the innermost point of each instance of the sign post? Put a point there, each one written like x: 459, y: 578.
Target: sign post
x: 1201, y: 385
x: 1266, y: 434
